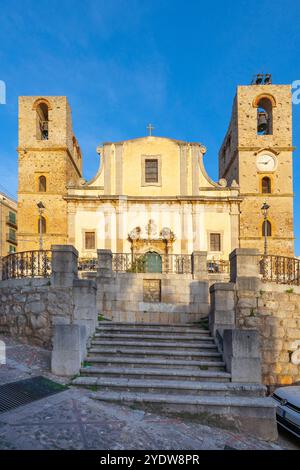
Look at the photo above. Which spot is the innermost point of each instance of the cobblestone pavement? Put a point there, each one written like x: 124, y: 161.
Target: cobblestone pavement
x: 72, y: 420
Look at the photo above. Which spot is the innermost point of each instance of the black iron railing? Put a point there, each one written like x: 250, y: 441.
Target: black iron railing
x: 141, y: 263
x: 27, y: 264
x: 280, y: 269
x: 87, y: 264
x: 218, y: 267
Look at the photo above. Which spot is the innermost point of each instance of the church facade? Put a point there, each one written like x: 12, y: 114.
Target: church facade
x: 152, y: 194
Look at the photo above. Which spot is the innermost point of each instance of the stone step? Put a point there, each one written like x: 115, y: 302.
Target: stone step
x: 154, y: 362
x: 162, y: 337
x: 157, y: 330
x: 149, y: 325
x: 158, y: 373
x: 128, y: 352
x: 256, y: 415
x: 184, y: 387
x: 198, y: 346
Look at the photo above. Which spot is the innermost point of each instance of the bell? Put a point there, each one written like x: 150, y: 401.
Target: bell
x: 262, y: 122
x: 268, y: 79
x: 259, y: 79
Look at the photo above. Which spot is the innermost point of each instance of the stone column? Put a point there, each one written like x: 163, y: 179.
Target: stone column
x: 241, y: 353
x: 244, y: 268
x: 199, y: 264
x: 222, y: 312
x: 64, y: 265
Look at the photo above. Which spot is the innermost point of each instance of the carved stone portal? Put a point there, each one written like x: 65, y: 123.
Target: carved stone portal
x: 148, y: 239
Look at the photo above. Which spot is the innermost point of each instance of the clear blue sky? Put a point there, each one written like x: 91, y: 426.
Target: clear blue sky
x: 125, y: 63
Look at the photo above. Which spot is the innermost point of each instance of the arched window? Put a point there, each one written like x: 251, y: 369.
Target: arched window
x: 42, y: 184
x: 266, y: 226
x: 42, y: 226
x: 42, y: 121
x: 264, y: 117
x: 266, y: 185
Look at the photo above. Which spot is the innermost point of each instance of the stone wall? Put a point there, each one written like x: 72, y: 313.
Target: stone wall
x: 29, y: 309
x: 132, y: 297
x: 275, y: 312
x: 122, y: 298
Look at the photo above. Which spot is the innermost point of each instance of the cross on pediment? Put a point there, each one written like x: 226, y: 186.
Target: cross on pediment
x: 150, y: 128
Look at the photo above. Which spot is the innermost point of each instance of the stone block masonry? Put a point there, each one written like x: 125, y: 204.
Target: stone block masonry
x: 273, y: 310
x: 29, y: 309
x: 58, y: 313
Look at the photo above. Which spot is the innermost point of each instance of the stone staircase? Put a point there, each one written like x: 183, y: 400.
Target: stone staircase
x: 173, y: 369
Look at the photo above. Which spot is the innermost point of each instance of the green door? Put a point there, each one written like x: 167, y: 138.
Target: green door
x: 153, y: 262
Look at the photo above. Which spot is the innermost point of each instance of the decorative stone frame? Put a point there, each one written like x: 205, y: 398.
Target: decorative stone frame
x: 83, y: 232
x: 143, y: 172
x: 221, y: 233
x: 267, y: 96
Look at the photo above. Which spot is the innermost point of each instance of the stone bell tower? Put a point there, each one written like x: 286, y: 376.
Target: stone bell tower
x: 257, y: 152
x: 49, y: 161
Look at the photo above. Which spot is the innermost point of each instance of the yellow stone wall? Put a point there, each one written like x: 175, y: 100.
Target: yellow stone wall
x: 237, y: 160
x: 58, y: 158
x: 7, y: 205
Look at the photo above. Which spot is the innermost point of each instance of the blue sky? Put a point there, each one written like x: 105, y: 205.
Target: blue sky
x: 123, y: 64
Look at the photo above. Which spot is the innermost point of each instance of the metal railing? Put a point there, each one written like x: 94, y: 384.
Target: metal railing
x: 280, y: 269
x: 87, y: 264
x: 218, y: 267
x: 139, y: 263
x: 27, y: 264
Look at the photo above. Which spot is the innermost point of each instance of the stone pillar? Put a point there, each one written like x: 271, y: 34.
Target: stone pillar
x: 106, y: 282
x: 85, y: 311
x: 64, y: 265
x: 104, y: 263
x: 222, y: 313
x: 244, y: 268
x: 199, y: 264
x: 68, y: 349
x: 241, y: 353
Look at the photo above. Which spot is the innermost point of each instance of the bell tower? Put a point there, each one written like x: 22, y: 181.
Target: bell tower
x: 49, y: 161
x: 257, y: 152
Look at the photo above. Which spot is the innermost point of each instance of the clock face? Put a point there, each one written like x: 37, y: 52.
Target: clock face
x: 265, y: 163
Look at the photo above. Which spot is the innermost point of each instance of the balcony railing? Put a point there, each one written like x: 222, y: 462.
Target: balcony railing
x: 27, y: 264
x: 140, y: 263
x: 280, y: 269
x: 87, y: 264
x: 218, y: 267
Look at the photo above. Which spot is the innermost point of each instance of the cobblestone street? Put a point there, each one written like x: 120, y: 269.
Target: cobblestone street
x: 72, y: 420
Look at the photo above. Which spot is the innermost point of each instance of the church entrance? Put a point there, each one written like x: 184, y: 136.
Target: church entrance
x: 153, y: 262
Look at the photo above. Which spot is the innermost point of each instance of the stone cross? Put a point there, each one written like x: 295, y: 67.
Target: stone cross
x: 150, y: 128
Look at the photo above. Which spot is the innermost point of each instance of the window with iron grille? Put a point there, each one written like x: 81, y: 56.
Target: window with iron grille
x: 90, y: 241
x: 215, y: 242
x: 151, y: 170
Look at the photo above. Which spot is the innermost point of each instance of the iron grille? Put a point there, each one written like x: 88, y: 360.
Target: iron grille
x: 27, y: 264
